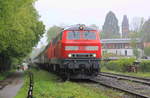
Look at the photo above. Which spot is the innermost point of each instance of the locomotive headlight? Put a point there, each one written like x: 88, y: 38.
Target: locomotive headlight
x: 92, y: 48
x: 81, y: 27
x: 94, y: 55
x: 69, y: 55
x: 71, y: 47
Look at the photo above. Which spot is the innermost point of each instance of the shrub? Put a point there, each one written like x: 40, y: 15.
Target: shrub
x: 113, y: 65
x: 147, y: 51
x: 119, y: 65
x: 124, y: 63
x: 145, y: 66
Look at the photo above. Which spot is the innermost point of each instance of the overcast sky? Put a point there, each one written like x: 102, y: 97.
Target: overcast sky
x: 58, y: 12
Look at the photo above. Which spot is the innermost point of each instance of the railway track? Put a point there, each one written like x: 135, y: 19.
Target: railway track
x: 126, y: 77
x: 119, y: 82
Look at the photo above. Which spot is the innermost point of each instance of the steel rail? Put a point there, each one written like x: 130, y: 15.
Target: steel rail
x: 119, y: 88
x: 126, y: 77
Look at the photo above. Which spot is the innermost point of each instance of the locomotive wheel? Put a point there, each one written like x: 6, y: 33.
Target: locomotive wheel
x: 68, y: 77
x: 54, y: 68
x: 50, y: 68
x: 65, y: 77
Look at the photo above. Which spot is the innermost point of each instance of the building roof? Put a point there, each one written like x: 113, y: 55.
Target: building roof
x: 120, y: 40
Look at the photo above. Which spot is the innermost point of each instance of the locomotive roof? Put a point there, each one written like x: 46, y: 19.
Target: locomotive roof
x: 84, y: 28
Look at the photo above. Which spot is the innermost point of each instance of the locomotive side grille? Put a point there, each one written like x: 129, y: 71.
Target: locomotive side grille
x: 82, y: 55
x: 87, y: 48
x: 81, y: 47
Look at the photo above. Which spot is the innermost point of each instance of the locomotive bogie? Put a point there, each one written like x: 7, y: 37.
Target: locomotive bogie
x: 76, y: 68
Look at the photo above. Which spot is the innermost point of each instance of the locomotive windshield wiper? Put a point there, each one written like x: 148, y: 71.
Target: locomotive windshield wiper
x: 86, y: 34
x: 75, y: 34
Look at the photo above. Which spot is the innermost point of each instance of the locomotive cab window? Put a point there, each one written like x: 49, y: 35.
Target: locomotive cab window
x: 76, y: 35
x: 89, y: 35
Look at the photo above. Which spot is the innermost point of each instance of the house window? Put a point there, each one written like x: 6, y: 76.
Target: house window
x: 104, y: 46
x: 121, y: 46
x: 115, y: 46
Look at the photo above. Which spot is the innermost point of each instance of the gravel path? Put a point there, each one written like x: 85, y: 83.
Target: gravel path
x: 11, y: 89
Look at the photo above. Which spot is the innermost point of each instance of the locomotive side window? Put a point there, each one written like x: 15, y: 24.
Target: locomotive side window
x: 89, y: 35
x: 75, y: 35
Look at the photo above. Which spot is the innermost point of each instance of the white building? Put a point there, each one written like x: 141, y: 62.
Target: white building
x: 121, y: 46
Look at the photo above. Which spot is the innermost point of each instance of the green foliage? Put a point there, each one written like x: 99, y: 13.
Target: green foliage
x: 119, y: 65
x: 145, y: 32
x: 20, y: 29
x: 4, y: 75
x: 110, y: 27
x: 147, y: 51
x: 107, y: 55
x: 136, y: 52
x: 133, y: 43
x: 138, y: 74
x: 113, y: 65
x: 145, y: 66
x: 52, y: 32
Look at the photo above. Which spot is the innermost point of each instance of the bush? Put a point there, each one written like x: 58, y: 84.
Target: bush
x: 119, y: 65
x: 145, y: 66
x: 147, y: 51
x: 113, y: 65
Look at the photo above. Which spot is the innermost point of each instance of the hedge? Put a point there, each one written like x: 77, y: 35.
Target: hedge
x: 144, y: 66
x: 119, y: 65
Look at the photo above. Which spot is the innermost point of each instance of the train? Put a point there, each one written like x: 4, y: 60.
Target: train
x: 75, y: 53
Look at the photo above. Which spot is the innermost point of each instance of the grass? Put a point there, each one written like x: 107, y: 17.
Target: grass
x: 46, y: 85
x: 138, y: 74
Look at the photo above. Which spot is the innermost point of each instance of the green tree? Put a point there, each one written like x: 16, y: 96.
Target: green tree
x: 145, y: 36
x: 20, y: 30
x: 134, y: 38
x: 110, y: 27
x: 147, y: 51
x: 136, y: 24
x: 145, y: 32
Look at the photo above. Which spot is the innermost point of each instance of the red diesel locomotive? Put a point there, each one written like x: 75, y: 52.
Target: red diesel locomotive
x: 73, y: 53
